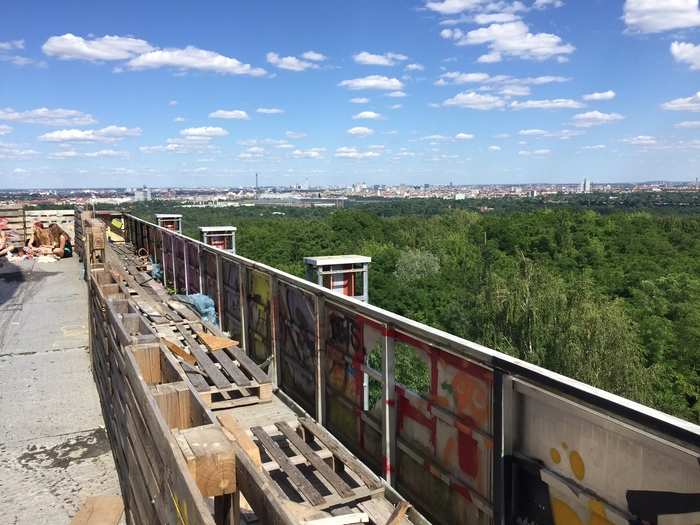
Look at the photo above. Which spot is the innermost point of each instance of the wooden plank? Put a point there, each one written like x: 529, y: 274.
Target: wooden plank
x: 231, y: 369
x: 305, y: 450
x: 214, y: 342
x: 350, y: 518
x: 296, y: 477
x: 241, y: 437
x: 177, y: 350
x: 196, y: 377
x: 100, y: 510
x: 252, y: 368
x: 204, y: 361
x: 399, y: 513
x: 367, y: 477
x: 215, y: 460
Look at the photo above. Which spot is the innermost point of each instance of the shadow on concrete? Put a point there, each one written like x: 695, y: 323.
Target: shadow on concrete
x: 12, y: 277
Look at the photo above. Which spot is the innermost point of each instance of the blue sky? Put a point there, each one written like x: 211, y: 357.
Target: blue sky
x: 336, y: 92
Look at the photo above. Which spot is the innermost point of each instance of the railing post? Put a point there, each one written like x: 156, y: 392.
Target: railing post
x: 245, y: 315
x: 274, y: 370
x: 388, y: 408
x: 321, y: 359
x: 220, y: 289
x: 186, y: 259
x: 499, y: 449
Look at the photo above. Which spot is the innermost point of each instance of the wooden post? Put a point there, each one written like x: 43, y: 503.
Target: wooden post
x: 274, y: 370
x: 320, y: 359
x: 220, y: 289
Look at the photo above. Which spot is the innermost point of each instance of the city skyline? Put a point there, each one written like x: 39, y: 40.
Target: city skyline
x: 472, y: 92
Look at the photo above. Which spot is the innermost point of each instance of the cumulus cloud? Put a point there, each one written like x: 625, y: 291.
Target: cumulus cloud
x: 536, y: 153
x: 270, y: 111
x: 108, y: 47
x: 361, y: 131
x: 506, y: 83
x: 205, y: 132
x: 595, y: 118
x: 314, y: 56
x: 193, y: 58
x: 603, y: 95
x: 532, y: 132
x: 473, y: 100
x: 688, y: 124
x: 386, y: 59
x: 640, y: 140
x: 396, y: 94
x: 103, y: 153
x: 595, y: 147
x: 494, y: 148
x: 233, y: 114
x: 359, y: 100
x: 685, y: 52
x: 311, y: 153
x: 12, y: 45
x: 48, y: 117
x: 5, y: 129
x: 353, y: 153
x: 544, y: 4
x: 373, y: 82
x: 414, y: 67
x: 557, y: 103
x: 691, y: 103
x: 464, y: 136
x: 107, y: 134
x: 290, y: 63
x: 453, y: 7
x: 511, y: 39
x: 367, y: 115
x: 495, y: 18
x: 654, y: 16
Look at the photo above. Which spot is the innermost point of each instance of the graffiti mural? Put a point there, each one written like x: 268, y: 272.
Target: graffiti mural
x: 231, y: 314
x: 259, y: 304
x: 575, y: 481
x: 179, y: 258
x: 209, y: 280
x: 297, y: 345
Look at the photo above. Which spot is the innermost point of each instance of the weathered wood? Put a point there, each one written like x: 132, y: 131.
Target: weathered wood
x: 350, y: 518
x: 204, y: 361
x: 100, y: 510
x: 367, y: 477
x: 399, y: 513
x: 178, y: 351
x: 252, y: 368
x: 214, y: 342
x: 214, y: 459
x: 239, y: 435
x: 321, y: 466
x: 297, y: 479
x: 230, y: 368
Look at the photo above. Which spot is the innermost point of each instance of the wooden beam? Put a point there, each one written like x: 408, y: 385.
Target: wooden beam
x: 100, y: 510
x: 178, y: 351
x: 240, y: 436
x: 214, y: 459
x: 399, y: 513
x: 214, y: 342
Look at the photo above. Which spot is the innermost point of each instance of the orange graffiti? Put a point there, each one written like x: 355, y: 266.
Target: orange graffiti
x: 598, y: 516
x: 577, y: 465
x: 563, y: 514
x: 470, y: 397
x: 556, y: 457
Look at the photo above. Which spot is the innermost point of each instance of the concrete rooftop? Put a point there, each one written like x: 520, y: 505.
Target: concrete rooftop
x: 54, y: 451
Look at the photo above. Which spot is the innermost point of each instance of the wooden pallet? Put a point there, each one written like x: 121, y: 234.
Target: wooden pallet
x: 309, y: 467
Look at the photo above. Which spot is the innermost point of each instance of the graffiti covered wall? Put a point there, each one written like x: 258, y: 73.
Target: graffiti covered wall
x: 259, y: 304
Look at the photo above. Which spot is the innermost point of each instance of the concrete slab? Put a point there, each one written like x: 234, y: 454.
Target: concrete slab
x: 54, y: 451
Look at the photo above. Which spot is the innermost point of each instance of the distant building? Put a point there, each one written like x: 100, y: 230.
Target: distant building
x: 586, y: 186
x: 142, y: 194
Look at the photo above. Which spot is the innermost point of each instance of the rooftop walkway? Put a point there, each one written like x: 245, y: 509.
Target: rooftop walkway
x: 54, y: 451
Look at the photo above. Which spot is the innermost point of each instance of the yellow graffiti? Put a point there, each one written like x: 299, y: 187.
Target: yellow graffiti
x: 577, y: 465
x: 563, y: 514
x: 598, y: 516
x: 555, y: 455
x: 180, y: 508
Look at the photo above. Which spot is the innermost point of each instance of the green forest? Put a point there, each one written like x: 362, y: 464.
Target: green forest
x: 607, y: 294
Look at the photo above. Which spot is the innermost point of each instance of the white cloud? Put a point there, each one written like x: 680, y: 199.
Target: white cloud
x: 464, y: 136
x: 640, y: 140
x: 688, y: 124
x: 595, y: 118
x: 557, y: 103
x: 179, y: 119
x: 511, y: 39
x: 361, y: 131
x: 452, y: 7
x: 104, y: 153
x: 314, y: 56
x: 686, y: 52
x: 544, y: 4
x: 233, y: 114
x: 414, y: 67
x: 294, y: 135
x: 270, y: 111
x: 204, y: 132
x: 495, y: 18
x: 16, y: 151
x: 396, y: 94
x: 595, y: 147
x: 436, y: 138
x: 396, y: 106
x: 5, y: 129
x: 367, y: 115
x: 48, y: 117
x: 532, y: 132
x: 312, y: 153
x: 12, y: 45
x: 691, y: 103
x: 473, y: 100
x: 516, y: 90
x: 373, y: 82
x: 108, y: 47
x: 290, y: 63
x: 107, y: 134
x: 653, y: 16
x: 387, y: 59
x: 537, y: 152
x: 508, y: 82
x: 172, y: 103
x: 359, y: 100
x: 490, y: 58
x: 353, y: 153
x: 193, y: 58
x: 604, y: 95
x: 494, y: 148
